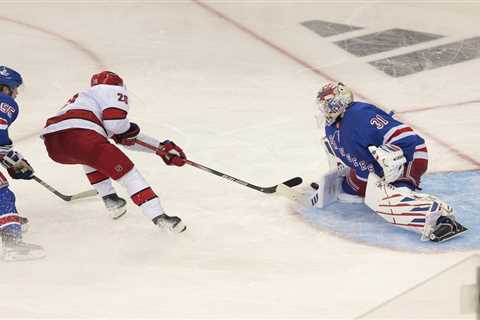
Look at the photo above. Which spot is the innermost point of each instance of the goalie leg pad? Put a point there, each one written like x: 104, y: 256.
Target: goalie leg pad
x: 399, y: 206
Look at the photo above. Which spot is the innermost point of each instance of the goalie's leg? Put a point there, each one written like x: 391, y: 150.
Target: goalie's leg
x: 422, y: 213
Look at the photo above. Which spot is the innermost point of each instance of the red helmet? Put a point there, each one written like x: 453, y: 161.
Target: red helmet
x: 106, y: 77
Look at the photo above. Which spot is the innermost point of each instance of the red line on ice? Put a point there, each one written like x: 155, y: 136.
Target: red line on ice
x: 322, y: 74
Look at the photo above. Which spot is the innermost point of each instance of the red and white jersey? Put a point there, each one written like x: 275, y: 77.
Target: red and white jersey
x: 102, y: 108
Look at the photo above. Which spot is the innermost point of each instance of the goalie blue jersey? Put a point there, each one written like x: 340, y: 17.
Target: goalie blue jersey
x: 8, y: 114
x: 363, y: 125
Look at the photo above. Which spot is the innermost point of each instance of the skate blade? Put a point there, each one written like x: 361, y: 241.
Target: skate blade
x: 14, y: 256
x: 179, y: 228
x: 117, y: 213
x: 453, y: 236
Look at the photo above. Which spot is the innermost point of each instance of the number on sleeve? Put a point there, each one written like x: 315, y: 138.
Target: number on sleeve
x: 122, y: 98
x: 379, y: 122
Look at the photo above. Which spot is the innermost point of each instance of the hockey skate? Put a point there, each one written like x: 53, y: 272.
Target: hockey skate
x: 115, y: 205
x: 173, y: 223
x: 25, y: 224
x: 17, y: 250
x: 446, y: 228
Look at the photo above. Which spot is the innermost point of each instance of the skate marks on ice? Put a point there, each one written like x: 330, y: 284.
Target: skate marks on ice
x: 357, y: 223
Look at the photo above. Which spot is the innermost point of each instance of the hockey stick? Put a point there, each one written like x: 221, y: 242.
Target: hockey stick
x: 289, y: 183
x: 81, y: 195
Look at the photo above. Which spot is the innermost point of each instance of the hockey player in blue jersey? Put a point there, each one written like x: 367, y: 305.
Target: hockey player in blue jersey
x: 385, y: 160
x: 18, y: 168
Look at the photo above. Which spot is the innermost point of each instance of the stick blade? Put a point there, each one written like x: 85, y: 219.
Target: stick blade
x: 293, y: 182
x: 287, y: 184
x: 82, y: 195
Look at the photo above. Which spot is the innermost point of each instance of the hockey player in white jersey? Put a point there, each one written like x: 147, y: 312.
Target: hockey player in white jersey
x: 79, y: 133
x: 385, y: 160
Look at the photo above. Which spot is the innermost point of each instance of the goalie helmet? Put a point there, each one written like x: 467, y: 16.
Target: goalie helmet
x: 106, y: 77
x: 333, y: 99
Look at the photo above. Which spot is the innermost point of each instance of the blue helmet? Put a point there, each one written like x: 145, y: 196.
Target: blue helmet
x: 10, y: 77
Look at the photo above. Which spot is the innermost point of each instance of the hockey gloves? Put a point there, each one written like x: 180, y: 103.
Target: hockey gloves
x: 171, y: 154
x: 128, y: 137
x: 390, y: 157
x: 17, y: 166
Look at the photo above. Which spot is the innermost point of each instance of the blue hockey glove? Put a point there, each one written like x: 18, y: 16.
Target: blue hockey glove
x: 17, y: 166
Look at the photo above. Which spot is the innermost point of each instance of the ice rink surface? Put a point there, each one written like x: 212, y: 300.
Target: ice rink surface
x: 233, y: 83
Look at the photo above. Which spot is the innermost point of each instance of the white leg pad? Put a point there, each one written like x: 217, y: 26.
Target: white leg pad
x: 402, y: 207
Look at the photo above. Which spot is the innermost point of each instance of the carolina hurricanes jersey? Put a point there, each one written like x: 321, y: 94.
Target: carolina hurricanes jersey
x: 363, y: 125
x: 101, y: 108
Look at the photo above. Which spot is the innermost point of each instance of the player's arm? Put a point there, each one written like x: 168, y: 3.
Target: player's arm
x: 390, y: 142
x: 124, y: 132
x: 114, y: 104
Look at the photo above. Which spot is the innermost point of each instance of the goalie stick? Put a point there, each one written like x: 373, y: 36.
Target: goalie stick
x: 81, y: 195
x: 289, y: 183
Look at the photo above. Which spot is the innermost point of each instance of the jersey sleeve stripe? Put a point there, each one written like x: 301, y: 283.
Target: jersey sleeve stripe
x: 3, y: 124
x: 421, y: 147
x: 394, y: 132
x: 420, y: 155
x: 114, y: 114
x: 402, y: 135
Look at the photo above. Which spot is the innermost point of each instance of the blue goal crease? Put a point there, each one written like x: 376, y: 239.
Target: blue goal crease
x: 359, y: 224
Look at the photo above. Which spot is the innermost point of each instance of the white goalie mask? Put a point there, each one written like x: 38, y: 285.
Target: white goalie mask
x: 333, y: 99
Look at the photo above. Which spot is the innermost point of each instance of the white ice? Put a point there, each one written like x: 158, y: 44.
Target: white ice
x: 238, y: 105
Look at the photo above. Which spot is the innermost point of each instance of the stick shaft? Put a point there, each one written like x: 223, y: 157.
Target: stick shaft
x: 291, y: 182
x: 62, y: 196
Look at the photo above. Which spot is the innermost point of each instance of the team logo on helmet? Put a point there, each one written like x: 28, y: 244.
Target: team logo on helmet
x: 4, y: 72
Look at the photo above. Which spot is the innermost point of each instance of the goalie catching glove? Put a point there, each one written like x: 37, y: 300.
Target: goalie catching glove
x: 17, y: 166
x: 390, y: 157
x: 171, y: 154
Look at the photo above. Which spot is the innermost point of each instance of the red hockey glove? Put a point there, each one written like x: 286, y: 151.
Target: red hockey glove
x: 171, y: 154
x: 128, y: 137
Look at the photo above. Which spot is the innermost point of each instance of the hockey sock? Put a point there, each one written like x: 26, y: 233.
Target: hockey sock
x: 101, y: 183
x: 141, y: 193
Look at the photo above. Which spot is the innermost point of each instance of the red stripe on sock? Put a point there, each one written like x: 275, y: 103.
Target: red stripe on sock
x: 143, y: 196
x: 96, y: 177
